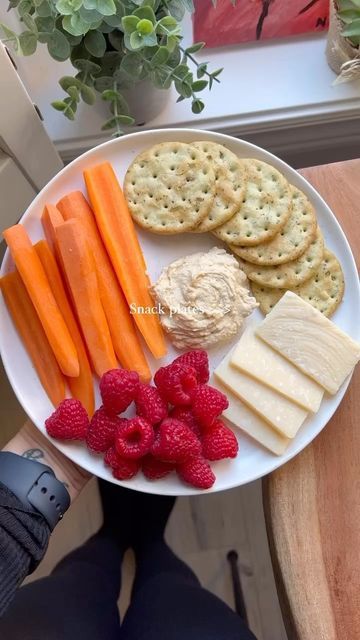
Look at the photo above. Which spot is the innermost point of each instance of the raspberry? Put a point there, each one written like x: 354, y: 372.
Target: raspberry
x: 122, y: 469
x: 176, y: 383
x: 102, y: 430
x: 126, y: 469
x: 69, y: 421
x: 134, y: 438
x: 118, y: 388
x: 150, y: 405
x: 184, y: 414
x: 154, y: 469
x: 208, y: 403
x: 175, y: 442
x: 219, y: 442
x: 196, y: 472
x: 198, y: 359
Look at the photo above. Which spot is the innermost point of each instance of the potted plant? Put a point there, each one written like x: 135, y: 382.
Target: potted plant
x: 113, y: 46
x: 343, y: 46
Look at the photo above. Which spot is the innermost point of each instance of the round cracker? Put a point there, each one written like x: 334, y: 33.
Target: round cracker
x: 324, y: 290
x: 294, y: 238
x: 265, y: 208
x: 229, y: 184
x: 291, y: 274
x: 170, y: 187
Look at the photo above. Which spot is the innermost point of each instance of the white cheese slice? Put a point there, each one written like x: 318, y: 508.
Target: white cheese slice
x: 248, y: 421
x: 282, y: 414
x: 312, y: 342
x: 256, y: 358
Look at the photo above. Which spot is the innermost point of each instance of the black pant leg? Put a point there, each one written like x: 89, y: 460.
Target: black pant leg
x: 78, y: 601
x: 169, y: 603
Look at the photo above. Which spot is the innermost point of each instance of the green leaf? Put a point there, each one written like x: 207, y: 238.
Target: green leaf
x: 201, y: 70
x: 73, y: 93
x: 127, y: 120
x: 174, y: 58
x: 353, y: 29
x: 44, y: 9
x: 189, y: 5
x: 136, y: 41
x: 68, y: 81
x: 129, y: 24
x: 145, y: 13
x: 161, y: 78
x: 95, y: 43
x: 103, y: 83
x: 145, y: 27
x: 109, y: 95
x: 195, y: 47
x: 90, y: 4
x: 24, y: 7
x: 87, y: 66
x: 59, y: 105
x: 132, y: 64
x: 216, y: 73
x: 183, y: 89
x: 75, y: 25
x: 180, y: 99
x: 181, y: 71
x: 348, y: 16
x: 150, y: 40
x: 90, y: 15
x: 73, y: 40
x: 199, y: 85
x: 109, y: 124
x: 45, y: 25
x: 160, y: 57
x: 197, y: 106
x: 172, y: 43
x: 116, y: 39
x: 87, y: 94
x: 176, y: 9
x: 29, y: 21
x: 168, y: 26
x: 69, y: 113
x: 28, y: 43
x: 106, y: 7
x: 58, y: 45
x: 67, y: 7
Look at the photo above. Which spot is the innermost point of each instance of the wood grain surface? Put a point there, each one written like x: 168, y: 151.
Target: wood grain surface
x: 312, y: 504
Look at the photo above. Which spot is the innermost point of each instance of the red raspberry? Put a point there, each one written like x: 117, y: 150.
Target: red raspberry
x: 184, y: 414
x: 134, y: 438
x: 118, y: 388
x: 154, y: 469
x: 175, y: 442
x: 102, y: 430
x: 150, y: 405
x: 176, y: 383
x: 196, y: 472
x: 69, y: 421
x: 126, y: 469
x: 208, y: 403
x: 122, y: 469
x: 219, y: 442
x: 198, y: 360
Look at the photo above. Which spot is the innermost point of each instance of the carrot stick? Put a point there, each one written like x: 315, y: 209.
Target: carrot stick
x: 81, y: 387
x: 33, y: 336
x: 122, y: 244
x: 50, y: 218
x: 81, y: 275
x: 38, y: 288
x: 122, y: 329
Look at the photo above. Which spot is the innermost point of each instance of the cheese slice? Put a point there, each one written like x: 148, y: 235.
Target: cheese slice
x: 282, y: 414
x: 310, y: 341
x: 256, y: 358
x: 248, y: 421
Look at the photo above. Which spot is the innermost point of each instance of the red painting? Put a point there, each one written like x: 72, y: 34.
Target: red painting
x: 250, y: 20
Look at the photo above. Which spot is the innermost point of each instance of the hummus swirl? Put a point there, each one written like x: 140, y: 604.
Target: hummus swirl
x: 203, y: 299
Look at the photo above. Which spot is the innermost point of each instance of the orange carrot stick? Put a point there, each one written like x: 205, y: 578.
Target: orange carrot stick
x: 122, y: 244
x: 33, y: 336
x: 81, y: 387
x: 122, y: 329
x: 38, y: 288
x: 81, y: 275
x: 50, y: 218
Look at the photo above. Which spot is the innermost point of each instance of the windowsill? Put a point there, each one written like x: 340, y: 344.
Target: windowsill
x: 268, y: 86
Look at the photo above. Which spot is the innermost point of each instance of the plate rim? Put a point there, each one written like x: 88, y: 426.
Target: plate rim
x: 277, y: 461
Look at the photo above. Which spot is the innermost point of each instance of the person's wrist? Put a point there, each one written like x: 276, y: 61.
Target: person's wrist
x: 29, y: 442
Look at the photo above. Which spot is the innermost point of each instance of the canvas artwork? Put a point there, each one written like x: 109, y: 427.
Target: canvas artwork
x: 250, y: 20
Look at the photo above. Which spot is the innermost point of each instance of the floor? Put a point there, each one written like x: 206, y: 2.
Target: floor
x: 201, y: 530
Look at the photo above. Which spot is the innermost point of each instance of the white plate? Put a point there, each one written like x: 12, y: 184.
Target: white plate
x: 253, y: 461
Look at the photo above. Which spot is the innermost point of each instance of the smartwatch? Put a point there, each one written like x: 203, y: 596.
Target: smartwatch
x: 35, y: 485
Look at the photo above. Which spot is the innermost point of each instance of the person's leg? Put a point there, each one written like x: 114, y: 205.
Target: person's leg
x: 168, y: 602
x: 79, y: 599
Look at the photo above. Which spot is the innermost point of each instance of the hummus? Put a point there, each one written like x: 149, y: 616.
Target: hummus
x: 203, y: 299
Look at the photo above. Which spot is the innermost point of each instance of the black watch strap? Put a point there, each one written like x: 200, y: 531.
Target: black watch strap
x: 35, y: 485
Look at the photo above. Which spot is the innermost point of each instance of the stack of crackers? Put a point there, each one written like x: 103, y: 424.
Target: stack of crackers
x: 267, y: 223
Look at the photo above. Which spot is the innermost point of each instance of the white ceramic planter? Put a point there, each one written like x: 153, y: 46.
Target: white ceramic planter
x: 145, y: 101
